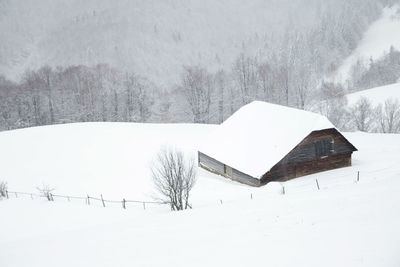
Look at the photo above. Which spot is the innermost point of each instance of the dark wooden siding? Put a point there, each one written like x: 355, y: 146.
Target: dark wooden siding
x: 323, y: 164
x: 284, y: 172
x: 303, y: 159
x: 306, y: 151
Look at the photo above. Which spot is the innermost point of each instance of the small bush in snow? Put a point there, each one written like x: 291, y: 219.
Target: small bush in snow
x: 3, y: 189
x: 46, y: 191
x: 174, y: 178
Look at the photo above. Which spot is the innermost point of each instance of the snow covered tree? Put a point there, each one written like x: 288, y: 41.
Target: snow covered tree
x: 266, y: 81
x: 389, y: 116
x: 220, y: 82
x: 333, y: 105
x: 363, y: 115
x: 198, y: 86
x: 245, y: 75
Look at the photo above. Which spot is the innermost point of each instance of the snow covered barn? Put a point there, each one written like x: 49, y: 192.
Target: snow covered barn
x: 264, y: 142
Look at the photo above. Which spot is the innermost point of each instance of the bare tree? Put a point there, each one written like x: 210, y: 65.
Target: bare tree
x: 144, y: 99
x: 303, y: 87
x: 333, y: 105
x: 174, y: 178
x: 139, y: 99
x: 389, y: 116
x: 3, y: 189
x: 220, y: 80
x: 266, y: 80
x: 198, y: 86
x: 46, y: 191
x: 362, y: 113
x: 245, y: 75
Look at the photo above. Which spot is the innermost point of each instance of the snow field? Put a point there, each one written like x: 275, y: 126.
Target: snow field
x: 343, y: 224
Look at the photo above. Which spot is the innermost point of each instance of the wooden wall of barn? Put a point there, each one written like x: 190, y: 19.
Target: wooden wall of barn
x: 302, y: 160
x: 220, y: 168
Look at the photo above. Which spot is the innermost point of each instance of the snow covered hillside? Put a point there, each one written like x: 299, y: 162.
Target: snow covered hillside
x: 377, y: 95
x: 377, y: 40
x: 152, y: 38
x: 343, y: 224
x: 156, y: 38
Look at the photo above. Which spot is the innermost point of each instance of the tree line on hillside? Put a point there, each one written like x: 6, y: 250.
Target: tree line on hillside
x: 101, y: 93
x: 381, y: 118
x: 385, y: 70
x: 74, y: 94
x: 289, y: 70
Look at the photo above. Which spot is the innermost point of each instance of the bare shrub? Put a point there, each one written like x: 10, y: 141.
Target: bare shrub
x: 363, y: 115
x: 174, y: 178
x: 46, y: 191
x: 333, y: 105
x: 3, y: 189
x: 389, y: 116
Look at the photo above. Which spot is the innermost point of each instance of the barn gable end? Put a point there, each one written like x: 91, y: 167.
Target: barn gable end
x: 308, y: 157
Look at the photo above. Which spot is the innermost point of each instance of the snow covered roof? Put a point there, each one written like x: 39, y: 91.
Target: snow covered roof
x: 259, y: 135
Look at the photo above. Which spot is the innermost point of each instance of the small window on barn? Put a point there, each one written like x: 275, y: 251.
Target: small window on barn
x: 324, y: 147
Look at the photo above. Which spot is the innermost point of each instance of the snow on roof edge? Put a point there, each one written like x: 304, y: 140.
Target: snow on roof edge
x: 240, y: 142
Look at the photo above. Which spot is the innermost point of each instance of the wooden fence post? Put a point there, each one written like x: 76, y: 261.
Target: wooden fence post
x: 251, y: 196
x: 31, y: 196
x: 283, y: 190
x: 16, y: 195
x: 69, y: 200
x: 316, y: 180
x: 51, y: 197
x: 358, y: 176
x: 88, y: 200
x: 144, y: 205
x: 123, y: 203
x: 220, y: 201
x: 7, y: 193
x: 102, y: 200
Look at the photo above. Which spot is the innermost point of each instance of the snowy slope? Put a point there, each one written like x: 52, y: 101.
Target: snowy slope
x: 84, y: 157
x: 259, y: 135
x: 377, y: 95
x: 377, y: 40
x: 343, y: 224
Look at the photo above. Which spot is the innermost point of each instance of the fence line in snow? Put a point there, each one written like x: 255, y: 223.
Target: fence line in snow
x: 124, y: 201
x: 51, y: 197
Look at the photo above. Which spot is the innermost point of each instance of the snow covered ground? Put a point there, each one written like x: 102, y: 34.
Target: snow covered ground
x: 377, y: 95
x: 376, y: 41
x: 343, y: 224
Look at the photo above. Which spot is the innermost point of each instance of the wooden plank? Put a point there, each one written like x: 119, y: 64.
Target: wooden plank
x: 284, y: 172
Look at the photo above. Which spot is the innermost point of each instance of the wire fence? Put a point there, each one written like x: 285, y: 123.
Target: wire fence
x: 89, y: 200
x: 302, y: 186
